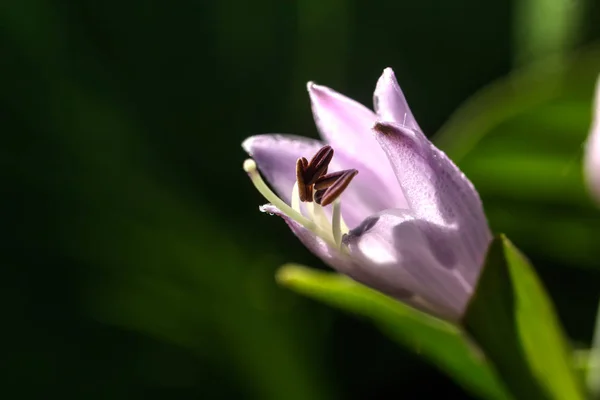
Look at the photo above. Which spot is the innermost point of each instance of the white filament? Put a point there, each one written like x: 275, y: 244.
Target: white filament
x: 296, y: 198
x: 336, y: 219
x: 316, y: 221
x: 320, y: 218
x: 261, y: 186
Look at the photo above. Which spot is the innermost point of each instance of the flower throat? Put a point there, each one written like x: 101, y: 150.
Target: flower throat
x: 315, y: 187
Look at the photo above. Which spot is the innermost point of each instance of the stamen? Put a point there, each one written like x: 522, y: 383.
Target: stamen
x: 309, y: 192
x: 318, y: 165
x: 313, y: 185
x: 327, y: 196
x: 310, y: 208
x: 296, y: 198
x: 336, y: 222
x: 261, y: 186
x: 300, y: 185
x: 318, y: 196
x: 343, y: 227
x: 326, y: 181
x: 320, y: 217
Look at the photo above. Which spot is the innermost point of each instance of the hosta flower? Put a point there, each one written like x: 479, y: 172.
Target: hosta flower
x: 376, y: 200
x: 592, y: 150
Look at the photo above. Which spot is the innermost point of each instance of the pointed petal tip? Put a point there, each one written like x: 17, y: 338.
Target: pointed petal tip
x: 318, y: 92
x: 247, y: 144
x: 387, y: 78
x: 389, y: 101
x: 254, y: 142
x: 388, y: 72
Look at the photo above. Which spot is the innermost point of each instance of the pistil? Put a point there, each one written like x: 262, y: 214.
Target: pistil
x: 261, y: 186
x: 317, y: 189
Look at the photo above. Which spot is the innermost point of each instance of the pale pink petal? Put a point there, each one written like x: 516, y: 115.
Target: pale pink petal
x: 276, y: 157
x: 346, y: 125
x: 315, y: 244
x: 420, y: 233
x: 592, y: 150
x: 395, y: 250
x: 437, y: 191
x: 350, y: 266
x: 390, y: 103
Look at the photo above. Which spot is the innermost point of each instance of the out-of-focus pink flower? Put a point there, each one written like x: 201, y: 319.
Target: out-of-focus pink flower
x: 592, y: 150
x: 412, y: 225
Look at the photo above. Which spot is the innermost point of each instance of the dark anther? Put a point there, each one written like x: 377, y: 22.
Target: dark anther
x: 307, y: 173
x: 318, y: 165
x: 327, y: 180
x: 312, y: 177
x: 304, y: 163
x: 319, y: 196
x: 302, y: 187
x: 327, y: 196
x: 309, y: 192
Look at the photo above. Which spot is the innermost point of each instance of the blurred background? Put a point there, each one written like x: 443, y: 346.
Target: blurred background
x: 135, y: 261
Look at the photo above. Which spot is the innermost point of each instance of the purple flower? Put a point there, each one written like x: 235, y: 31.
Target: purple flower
x: 412, y: 225
x: 592, y: 150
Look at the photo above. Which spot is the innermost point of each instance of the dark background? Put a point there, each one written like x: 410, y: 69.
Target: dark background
x: 135, y: 263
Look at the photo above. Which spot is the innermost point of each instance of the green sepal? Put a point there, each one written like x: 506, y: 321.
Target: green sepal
x: 513, y: 320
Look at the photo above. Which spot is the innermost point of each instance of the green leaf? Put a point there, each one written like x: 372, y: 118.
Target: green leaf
x: 512, y: 319
x: 545, y: 28
x: 442, y: 343
x: 593, y: 362
x: 582, y: 363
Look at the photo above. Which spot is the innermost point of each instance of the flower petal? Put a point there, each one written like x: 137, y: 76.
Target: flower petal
x: 344, y: 264
x: 397, y: 252
x: 437, y: 191
x: 276, y: 157
x: 345, y: 124
x: 315, y: 244
x: 389, y: 102
x: 592, y: 150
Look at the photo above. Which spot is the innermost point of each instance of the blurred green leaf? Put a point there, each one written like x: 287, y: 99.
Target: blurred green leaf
x: 593, y: 362
x: 147, y: 250
x: 581, y: 363
x: 520, y: 140
x: 442, y: 343
x: 513, y: 320
x: 545, y: 28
